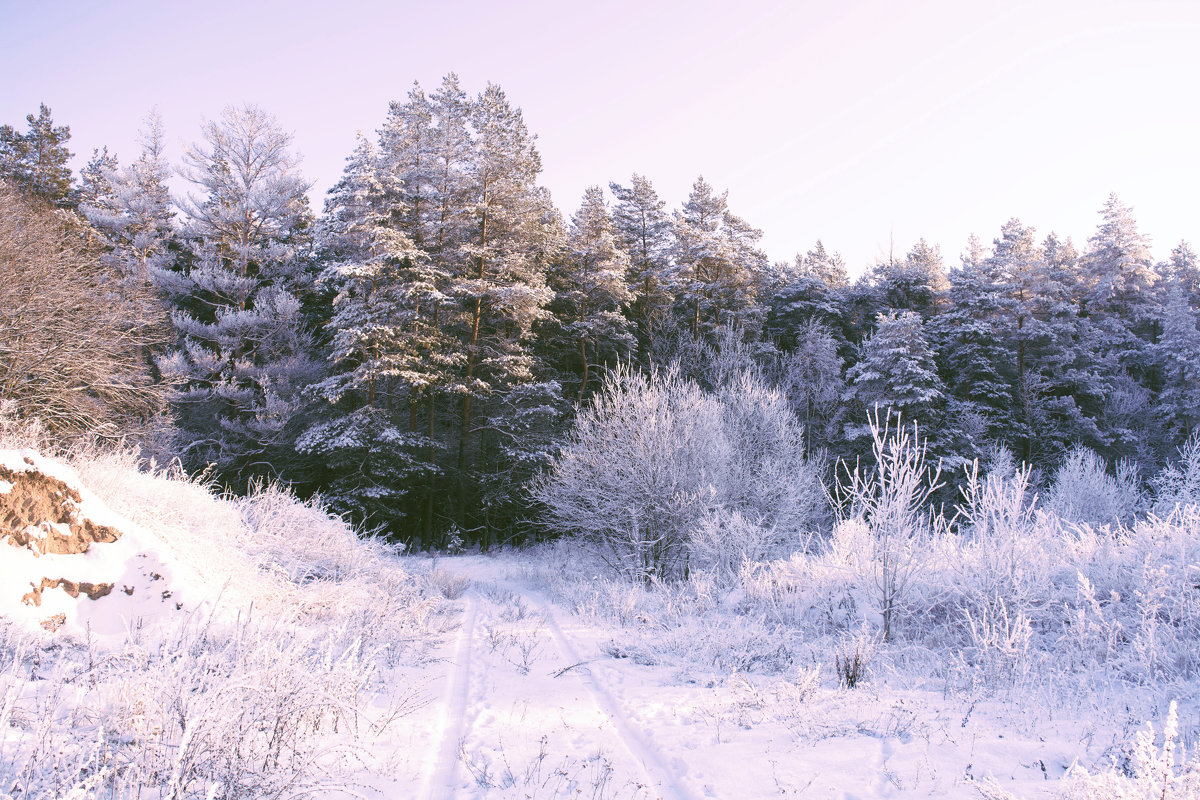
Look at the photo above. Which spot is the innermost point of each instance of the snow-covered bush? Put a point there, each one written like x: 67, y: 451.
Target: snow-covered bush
x: 1083, y: 491
x: 1179, y: 483
x: 1153, y: 772
x: 654, y: 456
x: 885, y: 519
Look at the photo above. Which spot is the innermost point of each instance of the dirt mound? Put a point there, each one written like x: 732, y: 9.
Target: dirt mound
x: 41, y: 513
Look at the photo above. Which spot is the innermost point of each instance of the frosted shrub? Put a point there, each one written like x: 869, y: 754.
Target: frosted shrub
x: 768, y: 478
x: 888, y: 504
x: 638, y: 470
x: 724, y: 543
x: 1083, y: 491
x: 653, y: 456
x: 1153, y: 772
x: 1179, y: 483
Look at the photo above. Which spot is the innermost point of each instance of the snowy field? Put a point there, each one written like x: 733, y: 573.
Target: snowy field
x: 256, y: 648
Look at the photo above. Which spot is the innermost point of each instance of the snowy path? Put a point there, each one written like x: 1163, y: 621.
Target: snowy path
x: 439, y: 774
x: 531, y: 705
x: 656, y: 773
x: 522, y: 715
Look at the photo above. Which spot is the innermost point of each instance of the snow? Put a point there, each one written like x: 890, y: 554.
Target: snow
x: 515, y: 674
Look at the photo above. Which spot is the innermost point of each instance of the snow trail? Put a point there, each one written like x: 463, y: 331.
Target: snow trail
x: 452, y: 722
x: 657, y: 774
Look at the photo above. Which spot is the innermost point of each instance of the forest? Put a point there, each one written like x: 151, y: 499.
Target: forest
x: 440, y: 350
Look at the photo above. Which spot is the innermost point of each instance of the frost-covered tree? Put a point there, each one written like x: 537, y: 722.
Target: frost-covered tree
x: 1184, y: 268
x: 36, y: 161
x: 829, y: 268
x: 131, y: 208
x: 95, y: 184
x: 500, y: 286
x: 915, y: 284
x: 384, y: 350
x: 1178, y: 355
x: 590, y: 291
x: 1118, y: 287
x: 405, y: 165
x: 716, y: 260
x: 896, y: 371
x: 813, y: 382
x: 245, y: 353
x: 814, y: 293
x: 973, y: 336
x: 643, y: 230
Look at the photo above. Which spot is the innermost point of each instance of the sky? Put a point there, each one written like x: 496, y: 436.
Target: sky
x: 865, y: 124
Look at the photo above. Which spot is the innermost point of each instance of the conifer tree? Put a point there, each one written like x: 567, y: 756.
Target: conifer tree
x: 1117, y: 288
x: 498, y: 281
x: 1184, y: 269
x: 896, y: 371
x: 590, y: 291
x: 36, y: 161
x: 974, y: 336
x: 814, y: 294
x: 384, y: 351
x: 716, y: 261
x: 1178, y: 356
x: 643, y: 230
x: 915, y: 284
x: 246, y: 346
x: 130, y: 207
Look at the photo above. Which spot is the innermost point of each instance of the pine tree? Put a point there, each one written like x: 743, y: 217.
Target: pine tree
x: 915, y: 284
x: 974, y: 335
x: 499, y: 284
x: 829, y: 268
x: 383, y: 349
x: 590, y: 291
x: 815, y: 293
x: 131, y: 209
x: 643, y: 230
x: 406, y: 164
x: 1184, y: 268
x: 95, y: 183
x: 1117, y: 291
x: 246, y: 351
x: 36, y: 161
x: 897, y: 370
x: 716, y: 260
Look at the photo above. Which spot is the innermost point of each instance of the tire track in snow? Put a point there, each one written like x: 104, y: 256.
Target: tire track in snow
x: 452, y: 723
x: 658, y: 776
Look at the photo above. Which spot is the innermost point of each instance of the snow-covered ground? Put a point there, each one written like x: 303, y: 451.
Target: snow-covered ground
x: 295, y: 660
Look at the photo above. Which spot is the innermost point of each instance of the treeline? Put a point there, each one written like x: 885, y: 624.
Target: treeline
x: 415, y: 352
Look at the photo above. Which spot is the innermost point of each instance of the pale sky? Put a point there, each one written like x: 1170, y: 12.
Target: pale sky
x: 864, y: 124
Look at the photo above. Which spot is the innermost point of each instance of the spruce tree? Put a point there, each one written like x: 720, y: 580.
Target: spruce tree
x: 1178, y: 356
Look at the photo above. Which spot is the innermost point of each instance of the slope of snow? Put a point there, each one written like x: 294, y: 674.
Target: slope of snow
x: 303, y: 661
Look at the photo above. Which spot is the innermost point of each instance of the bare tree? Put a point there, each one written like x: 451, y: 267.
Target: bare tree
x: 67, y: 355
